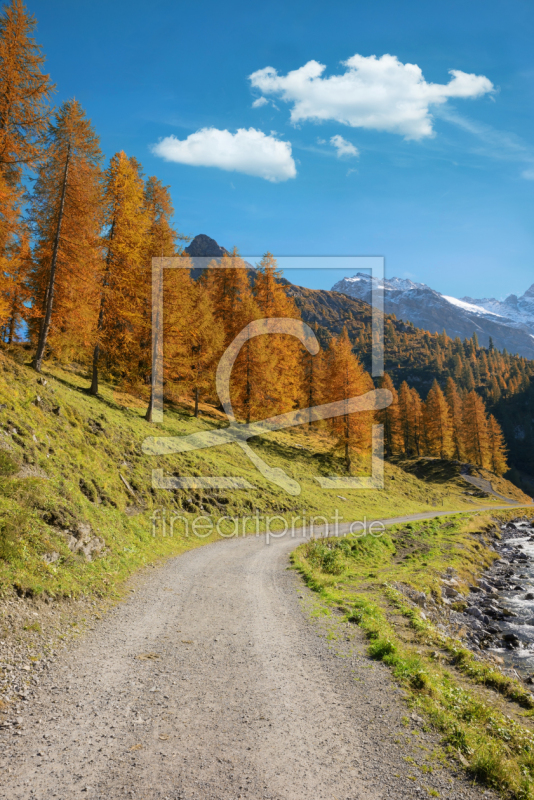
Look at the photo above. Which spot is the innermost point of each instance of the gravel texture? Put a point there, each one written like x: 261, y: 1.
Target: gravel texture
x: 220, y: 678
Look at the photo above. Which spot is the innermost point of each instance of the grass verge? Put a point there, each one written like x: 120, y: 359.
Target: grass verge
x: 484, y: 715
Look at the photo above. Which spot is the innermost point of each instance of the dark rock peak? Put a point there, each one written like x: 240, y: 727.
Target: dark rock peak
x: 203, y: 246
x: 529, y: 293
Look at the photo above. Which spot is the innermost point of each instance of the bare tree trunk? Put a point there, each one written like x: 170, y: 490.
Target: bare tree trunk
x: 150, y: 409
x: 196, y: 401
x: 93, y: 389
x: 11, y: 329
x: 248, y: 390
x: 96, y: 352
x: 310, y: 389
x: 43, y: 335
x: 348, y: 463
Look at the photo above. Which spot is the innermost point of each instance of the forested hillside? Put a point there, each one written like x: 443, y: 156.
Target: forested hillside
x: 503, y: 381
x: 75, y: 283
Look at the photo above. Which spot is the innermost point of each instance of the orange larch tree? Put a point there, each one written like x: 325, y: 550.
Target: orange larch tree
x: 205, y: 341
x: 160, y: 242
x: 497, y: 447
x: 454, y: 402
x: 390, y: 419
x: 475, y: 430
x: 286, y: 351
x: 438, y: 425
x: 66, y: 213
x: 347, y: 378
x: 24, y: 112
x: 235, y: 307
x: 411, y: 420
x: 123, y: 281
x: 314, y: 380
x: 18, y: 293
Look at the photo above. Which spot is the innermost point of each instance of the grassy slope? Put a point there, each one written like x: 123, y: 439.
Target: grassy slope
x: 486, y: 716
x: 68, y: 468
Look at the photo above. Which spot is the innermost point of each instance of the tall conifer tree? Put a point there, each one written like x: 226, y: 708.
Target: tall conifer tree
x: 66, y: 213
x: 24, y: 112
x: 124, y: 281
x: 438, y: 426
x: 456, y: 413
x: 497, y: 447
x: 347, y: 378
x: 390, y: 419
x: 286, y: 351
x: 475, y: 426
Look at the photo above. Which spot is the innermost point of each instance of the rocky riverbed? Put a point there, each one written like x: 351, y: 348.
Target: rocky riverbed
x: 496, y: 618
x: 500, y: 609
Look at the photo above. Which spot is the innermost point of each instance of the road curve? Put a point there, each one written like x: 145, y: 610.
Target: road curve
x: 238, y: 693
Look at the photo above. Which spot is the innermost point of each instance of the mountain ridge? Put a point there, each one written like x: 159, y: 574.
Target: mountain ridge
x: 509, y: 323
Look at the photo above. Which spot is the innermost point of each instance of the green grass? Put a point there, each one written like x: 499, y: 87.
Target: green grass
x: 63, y: 452
x: 485, y: 716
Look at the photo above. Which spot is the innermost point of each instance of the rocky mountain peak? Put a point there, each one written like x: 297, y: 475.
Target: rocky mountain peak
x: 510, y: 323
x: 203, y: 246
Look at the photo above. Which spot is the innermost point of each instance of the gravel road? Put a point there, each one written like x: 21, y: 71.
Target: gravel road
x: 220, y: 679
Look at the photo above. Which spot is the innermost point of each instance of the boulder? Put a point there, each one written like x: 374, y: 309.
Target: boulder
x: 474, y: 611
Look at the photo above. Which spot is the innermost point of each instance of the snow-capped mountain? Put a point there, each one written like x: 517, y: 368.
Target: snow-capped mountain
x: 518, y: 309
x: 510, y: 323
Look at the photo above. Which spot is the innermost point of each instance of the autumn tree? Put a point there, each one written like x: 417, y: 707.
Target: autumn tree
x: 123, y: 282
x: 347, y: 378
x: 204, y: 339
x: 252, y: 387
x: 160, y: 242
x: 475, y: 430
x: 66, y: 213
x: 192, y: 337
x: 228, y: 285
x: 24, y: 90
x: 17, y: 293
x: 285, y: 350
x: 411, y: 420
x: 437, y: 421
x: 497, y: 447
x: 252, y: 383
x: 390, y: 419
x: 314, y: 381
x: 24, y: 111
x: 454, y: 402
x: 418, y: 426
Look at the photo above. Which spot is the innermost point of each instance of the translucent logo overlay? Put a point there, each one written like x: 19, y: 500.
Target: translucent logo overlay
x: 239, y: 433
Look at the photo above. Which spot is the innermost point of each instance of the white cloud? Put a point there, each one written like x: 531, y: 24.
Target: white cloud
x: 376, y: 93
x: 249, y: 151
x: 528, y: 174
x: 343, y: 147
x: 261, y: 101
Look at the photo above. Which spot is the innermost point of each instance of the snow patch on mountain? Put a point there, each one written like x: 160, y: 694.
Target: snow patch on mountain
x: 510, y: 323
x: 468, y: 306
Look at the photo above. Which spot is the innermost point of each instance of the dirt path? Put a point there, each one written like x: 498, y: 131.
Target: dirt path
x: 247, y: 697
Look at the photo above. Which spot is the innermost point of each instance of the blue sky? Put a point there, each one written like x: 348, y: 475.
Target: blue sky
x: 454, y: 210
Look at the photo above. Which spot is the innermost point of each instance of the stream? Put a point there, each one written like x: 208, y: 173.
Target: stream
x: 500, y: 612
